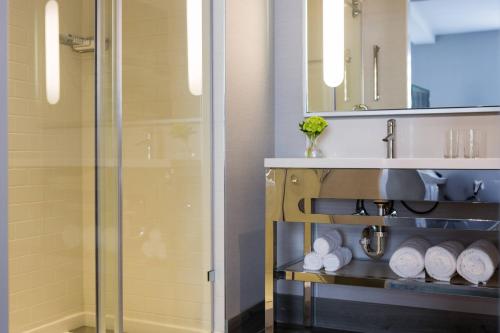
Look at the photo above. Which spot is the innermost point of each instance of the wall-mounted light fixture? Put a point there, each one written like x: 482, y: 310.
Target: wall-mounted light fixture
x: 52, y: 61
x: 194, y: 20
x: 333, y: 42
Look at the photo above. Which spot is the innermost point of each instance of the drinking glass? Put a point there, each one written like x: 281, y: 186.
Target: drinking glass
x: 452, y: 143
x: 474, y: 143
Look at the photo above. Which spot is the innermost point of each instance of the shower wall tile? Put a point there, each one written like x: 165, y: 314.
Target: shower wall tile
x: 45, y: 174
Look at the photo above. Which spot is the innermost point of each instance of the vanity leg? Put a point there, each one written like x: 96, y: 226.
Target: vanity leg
x: 308, y: 304
x: 269, y: 275
x: 308, y: 286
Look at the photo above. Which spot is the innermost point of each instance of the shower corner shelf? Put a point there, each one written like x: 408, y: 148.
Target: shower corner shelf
x: 290, y: 194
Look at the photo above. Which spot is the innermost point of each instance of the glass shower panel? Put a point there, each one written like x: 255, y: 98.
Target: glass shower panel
x: 166, y: 166
x: 55, y: 117
x: 51, y: 162
x: 108, y: 124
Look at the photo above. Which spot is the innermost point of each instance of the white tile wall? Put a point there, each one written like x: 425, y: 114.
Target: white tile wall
x: 45, y: 226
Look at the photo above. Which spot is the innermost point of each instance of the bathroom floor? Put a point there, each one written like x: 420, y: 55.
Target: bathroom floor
x: 291, y: 329
x: 86, y: 329
x: 248, y: 329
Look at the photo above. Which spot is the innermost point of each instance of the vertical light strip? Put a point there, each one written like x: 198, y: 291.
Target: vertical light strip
x: 333, y: 42
x: 194, y: 21
x: 52, y: 61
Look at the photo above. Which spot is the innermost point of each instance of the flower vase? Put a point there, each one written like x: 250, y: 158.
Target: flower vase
x: 312, y: 149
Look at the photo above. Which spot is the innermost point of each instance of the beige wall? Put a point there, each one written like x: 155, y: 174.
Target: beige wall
x: 385, y: 25
x: 45, y: 174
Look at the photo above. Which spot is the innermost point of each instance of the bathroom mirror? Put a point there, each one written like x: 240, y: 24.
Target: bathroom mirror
x: 404, y: 56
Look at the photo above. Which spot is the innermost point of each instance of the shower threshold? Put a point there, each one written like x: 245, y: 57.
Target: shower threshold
x: 87, y: 329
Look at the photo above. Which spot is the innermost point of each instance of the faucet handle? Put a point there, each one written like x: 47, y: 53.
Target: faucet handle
x: 478, y: 186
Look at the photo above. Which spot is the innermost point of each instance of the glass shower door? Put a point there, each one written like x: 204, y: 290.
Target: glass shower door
x: 109, y: 166
x: 166, y: 166
x: 154, y: 166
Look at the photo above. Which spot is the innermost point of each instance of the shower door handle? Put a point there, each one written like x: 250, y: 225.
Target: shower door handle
x: 347, y: 72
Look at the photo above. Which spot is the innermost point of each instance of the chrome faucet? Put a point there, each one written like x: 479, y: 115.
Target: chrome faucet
x: 390, y: 138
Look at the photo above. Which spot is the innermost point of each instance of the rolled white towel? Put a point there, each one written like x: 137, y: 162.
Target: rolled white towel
x: 337, y: 259
x: 408, y: 261
x: 313, y: 261
x: 328, y: 242
x: 478, y: 262
x: 441, y: 260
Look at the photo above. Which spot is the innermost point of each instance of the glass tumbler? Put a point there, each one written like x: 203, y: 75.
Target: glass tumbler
x: 474, y: 143
x: 452, y: 143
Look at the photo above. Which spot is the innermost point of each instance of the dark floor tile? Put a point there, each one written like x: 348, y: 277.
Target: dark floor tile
x: 291, y: 329
x: 299, y: 329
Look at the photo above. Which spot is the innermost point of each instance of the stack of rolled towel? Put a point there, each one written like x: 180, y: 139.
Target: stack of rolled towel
x: 328, y: 253
x: 476, y: 264
x: 337, y: 259
x: 408, y: 260
x: 441, y: 260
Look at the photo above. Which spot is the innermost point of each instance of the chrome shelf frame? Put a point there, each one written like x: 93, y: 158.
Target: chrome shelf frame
x: 376, y: 274
x: 289, y: 198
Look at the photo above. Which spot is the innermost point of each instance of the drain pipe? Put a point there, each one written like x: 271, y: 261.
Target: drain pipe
x: 366, y: 239
x: 377, y: 232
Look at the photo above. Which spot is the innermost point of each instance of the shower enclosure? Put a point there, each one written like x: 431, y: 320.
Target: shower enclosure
x: 109, y: 166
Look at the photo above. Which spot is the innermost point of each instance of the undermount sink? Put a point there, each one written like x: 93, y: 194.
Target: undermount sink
x: 383, y: 163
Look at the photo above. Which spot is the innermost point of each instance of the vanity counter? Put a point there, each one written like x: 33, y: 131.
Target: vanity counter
x: 383, y: 163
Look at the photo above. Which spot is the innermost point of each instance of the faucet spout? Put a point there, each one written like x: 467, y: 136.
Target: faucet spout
x: 390, y: 138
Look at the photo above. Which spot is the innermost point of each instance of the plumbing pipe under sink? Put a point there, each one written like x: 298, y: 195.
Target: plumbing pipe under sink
x: 377, y: 232
x: 366, y: 241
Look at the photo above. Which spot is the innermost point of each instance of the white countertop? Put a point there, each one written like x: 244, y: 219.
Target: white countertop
x: 383, y: 163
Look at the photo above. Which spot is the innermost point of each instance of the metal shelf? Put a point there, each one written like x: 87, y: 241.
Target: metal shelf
x: 364, y: 273
x: 409, y: 222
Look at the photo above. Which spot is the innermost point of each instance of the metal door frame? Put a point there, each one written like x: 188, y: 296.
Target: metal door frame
x: 4, y: 238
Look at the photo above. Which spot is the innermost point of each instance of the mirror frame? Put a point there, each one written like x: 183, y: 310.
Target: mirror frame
x: 374, y: 112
